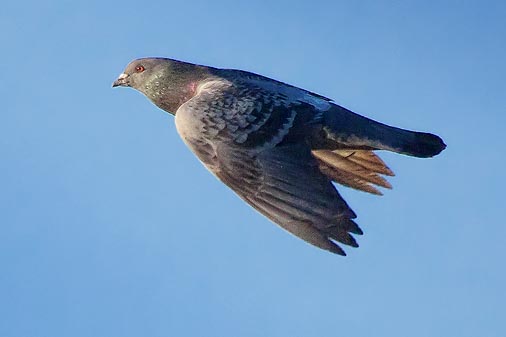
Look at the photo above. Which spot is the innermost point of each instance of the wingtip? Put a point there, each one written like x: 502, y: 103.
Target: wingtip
x: 351, y: 241
x: 354, y: 243
x: 352, y: 227
x: 339, y: 252
x: 334, y: 248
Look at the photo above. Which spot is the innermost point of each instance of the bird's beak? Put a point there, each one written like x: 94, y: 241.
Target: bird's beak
x: 122, y: 81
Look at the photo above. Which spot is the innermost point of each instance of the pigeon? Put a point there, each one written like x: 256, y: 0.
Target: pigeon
x: 278, y: 147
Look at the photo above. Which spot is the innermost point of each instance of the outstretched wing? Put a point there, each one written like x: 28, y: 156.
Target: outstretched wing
x: 253, y: 141
x: 286, y: 185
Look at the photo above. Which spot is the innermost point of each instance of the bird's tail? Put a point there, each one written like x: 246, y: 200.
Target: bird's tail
x: 355, y: 131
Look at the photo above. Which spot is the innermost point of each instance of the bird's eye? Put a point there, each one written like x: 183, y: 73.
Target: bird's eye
x: 140, y: 69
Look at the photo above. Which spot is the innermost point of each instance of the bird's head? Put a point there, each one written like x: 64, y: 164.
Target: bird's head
x: 167, y: 83
x: 139, y: 74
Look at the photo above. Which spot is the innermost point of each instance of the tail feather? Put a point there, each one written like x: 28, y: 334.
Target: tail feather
x: 424, y: 145
x: 352, y: 130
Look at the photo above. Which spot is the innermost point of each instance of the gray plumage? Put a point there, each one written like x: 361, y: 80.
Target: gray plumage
x: 277, y: 146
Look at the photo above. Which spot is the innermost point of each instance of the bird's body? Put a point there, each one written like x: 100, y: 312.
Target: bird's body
x: 277, y: 146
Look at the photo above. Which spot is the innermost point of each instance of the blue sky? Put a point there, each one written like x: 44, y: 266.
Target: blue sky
x: 109, y: 226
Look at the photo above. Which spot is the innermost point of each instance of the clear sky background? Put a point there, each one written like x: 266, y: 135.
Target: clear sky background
x: 109, y: 226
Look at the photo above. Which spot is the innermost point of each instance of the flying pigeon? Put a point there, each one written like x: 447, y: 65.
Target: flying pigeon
x: 278, y: 147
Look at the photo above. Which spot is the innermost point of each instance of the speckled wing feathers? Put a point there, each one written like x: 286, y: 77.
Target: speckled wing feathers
x: 242, y: 135
x: 249, y: 115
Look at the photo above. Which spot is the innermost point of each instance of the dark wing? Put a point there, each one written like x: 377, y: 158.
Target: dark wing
x: 285, y: 184
x: 254, y: 141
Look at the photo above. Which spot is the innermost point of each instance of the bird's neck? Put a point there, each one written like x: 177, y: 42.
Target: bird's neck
x: 176, y: 86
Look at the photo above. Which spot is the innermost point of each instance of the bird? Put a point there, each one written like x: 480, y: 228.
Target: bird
x: 280, y: 148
